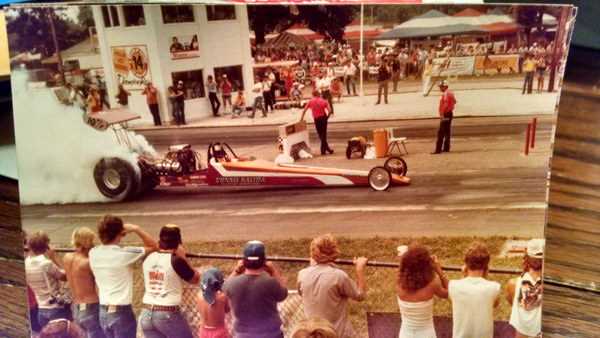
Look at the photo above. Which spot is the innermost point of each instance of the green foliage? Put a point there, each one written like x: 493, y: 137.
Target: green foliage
x: 30, y: 30
x: 329, y: 21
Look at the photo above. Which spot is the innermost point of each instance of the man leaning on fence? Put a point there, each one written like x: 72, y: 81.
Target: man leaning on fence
x: 325, y: 289
x: 112, y: 265
x: 474, y: 297
x: 44, y: 276
x: 254, y: 288
x: 82, y: 283
x: 164, y: 272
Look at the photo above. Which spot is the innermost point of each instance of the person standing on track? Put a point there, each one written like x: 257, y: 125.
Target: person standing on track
x: 446, y: 112
x: 320, y: 109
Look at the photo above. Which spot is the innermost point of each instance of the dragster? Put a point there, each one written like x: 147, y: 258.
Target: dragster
x: 120, y: 179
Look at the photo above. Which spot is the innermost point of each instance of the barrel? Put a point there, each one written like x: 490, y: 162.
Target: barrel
x: 381, y: 142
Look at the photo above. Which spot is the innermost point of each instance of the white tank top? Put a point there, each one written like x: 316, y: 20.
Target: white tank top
x: 417, y: 319
x: 526, y: 313
x: 162, y: 284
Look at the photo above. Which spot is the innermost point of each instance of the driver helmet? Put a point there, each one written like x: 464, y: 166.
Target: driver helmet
x: 219, y: 152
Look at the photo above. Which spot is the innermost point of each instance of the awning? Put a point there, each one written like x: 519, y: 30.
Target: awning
x: 286, y: 39
x: 407, y: 33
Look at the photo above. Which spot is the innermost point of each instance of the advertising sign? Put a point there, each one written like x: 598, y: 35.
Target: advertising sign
x: 131, y: 66
x: 497, y: 64
x: 453, y: 66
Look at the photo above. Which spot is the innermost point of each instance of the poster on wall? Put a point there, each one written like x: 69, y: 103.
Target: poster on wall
x: 183, y: 47
x: 131, y: 66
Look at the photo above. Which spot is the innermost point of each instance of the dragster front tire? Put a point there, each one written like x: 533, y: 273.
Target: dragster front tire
x: 380, y: 179
x: 396, y: 165
x: 117, y: 179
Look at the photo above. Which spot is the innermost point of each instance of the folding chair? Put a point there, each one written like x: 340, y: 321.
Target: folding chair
x: 395, y: 142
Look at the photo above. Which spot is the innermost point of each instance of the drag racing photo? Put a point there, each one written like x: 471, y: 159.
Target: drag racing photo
x: 199, y: 170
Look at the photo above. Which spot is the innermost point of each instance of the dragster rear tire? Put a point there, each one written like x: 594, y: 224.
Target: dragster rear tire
x: 117, y: 179
x: 380, y: 179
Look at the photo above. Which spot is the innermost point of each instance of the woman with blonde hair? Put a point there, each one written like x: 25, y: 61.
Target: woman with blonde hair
x: 420, y: 278
x: 314, y: 328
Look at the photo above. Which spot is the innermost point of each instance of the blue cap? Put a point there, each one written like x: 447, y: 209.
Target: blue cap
x: 254, y: 255
x: 211, y: 283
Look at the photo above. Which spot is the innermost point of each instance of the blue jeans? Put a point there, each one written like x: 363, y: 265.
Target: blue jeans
x: 46, y: 315
x: 118, y: 324
x: 89, y: 320
x: 164, y: 324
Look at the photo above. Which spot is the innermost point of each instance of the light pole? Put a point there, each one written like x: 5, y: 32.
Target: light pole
x: 559, y: 41
x: 55, y: 41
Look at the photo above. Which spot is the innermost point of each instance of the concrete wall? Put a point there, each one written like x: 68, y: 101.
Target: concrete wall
x: 221, y: 43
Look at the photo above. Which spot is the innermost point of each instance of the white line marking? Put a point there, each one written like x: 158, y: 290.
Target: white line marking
x: 321, y: 210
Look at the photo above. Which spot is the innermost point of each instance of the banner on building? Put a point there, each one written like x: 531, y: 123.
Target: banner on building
x: 497, y: 64
x: 184, y: 47
x: 131, y: 66
x: 453, y: 66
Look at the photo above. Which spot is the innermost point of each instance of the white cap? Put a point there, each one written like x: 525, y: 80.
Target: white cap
x: 535, y: 248
x: 402, y: 249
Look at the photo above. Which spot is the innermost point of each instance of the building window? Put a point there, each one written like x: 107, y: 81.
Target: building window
x: 110, y: 16
x: 234, y: 74
x: 220, y: 12
x: 193, y: 82
x: 179, y: 13
x: 134, y: 15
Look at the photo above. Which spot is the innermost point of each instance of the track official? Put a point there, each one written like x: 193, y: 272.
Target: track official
x: 446, y: 111
x: 321, y: 110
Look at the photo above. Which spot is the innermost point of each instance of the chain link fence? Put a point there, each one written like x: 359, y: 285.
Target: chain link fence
x: 291, y: 312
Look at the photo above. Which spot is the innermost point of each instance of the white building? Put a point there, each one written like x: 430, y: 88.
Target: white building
x: 136, y: 41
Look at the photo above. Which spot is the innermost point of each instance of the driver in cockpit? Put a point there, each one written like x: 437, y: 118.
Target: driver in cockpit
x: 220, y: 154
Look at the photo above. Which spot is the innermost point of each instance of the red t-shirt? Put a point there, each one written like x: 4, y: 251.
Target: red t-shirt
x: 447, y: 102
x: 318, y: 107
x: 226, y: 88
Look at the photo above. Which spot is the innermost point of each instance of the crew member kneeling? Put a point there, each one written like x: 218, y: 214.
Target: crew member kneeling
x: 164, y: 273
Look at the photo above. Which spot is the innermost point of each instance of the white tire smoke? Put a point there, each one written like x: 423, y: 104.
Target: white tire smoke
x: 57, y: 151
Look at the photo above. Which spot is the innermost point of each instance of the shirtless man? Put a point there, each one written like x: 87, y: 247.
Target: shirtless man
x: 82, y: 283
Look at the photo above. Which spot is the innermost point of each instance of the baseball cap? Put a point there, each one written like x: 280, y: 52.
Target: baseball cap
x: 169, y: 237
x: 443, y: 83
x: 210, y: 283
x: 535, y: 248
x: 254, y: 254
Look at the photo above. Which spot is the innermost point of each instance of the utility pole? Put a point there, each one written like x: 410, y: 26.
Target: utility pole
x: 55, y: 41
x: 559, y: 41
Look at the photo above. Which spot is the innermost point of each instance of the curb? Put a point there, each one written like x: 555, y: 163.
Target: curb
x: 141, y: 129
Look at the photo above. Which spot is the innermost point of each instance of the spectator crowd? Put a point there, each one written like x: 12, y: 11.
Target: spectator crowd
x: 100, y: 278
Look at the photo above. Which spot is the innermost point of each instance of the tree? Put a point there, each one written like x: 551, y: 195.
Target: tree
x: 529, y: 17
x: 86, y: 16
x: 31, y: 30
x: 329, y: 21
